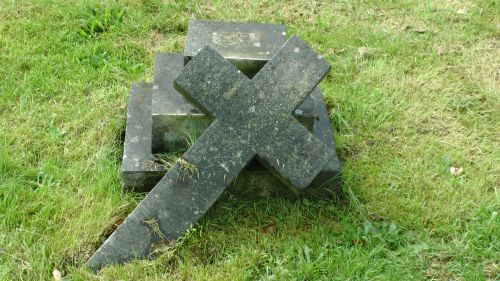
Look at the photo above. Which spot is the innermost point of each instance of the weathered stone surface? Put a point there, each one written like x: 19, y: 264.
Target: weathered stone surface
x: 328, y: 180
x: 176, y: 121
x: 256, y: 182
x: 247, y: 45
x: 138, y: 167
x: 252, y: 119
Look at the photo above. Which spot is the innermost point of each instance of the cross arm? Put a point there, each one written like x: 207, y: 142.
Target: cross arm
x: 291, y: 74
x: 210, y: 81
x: 294, y: 154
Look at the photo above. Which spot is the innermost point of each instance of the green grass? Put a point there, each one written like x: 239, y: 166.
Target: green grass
x: 413, y: 91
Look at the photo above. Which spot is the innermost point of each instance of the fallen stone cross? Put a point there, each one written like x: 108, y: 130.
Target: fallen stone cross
x: 252, y: 119
x: 161, y: 122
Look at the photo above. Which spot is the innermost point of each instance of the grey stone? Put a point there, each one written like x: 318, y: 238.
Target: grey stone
x: 176, y: 121
x: 328, y: 181
x: 139, y: 169
x: 247, y: 45
x: 256, y: 182
x: 268, y: 132
x: 253, y: 181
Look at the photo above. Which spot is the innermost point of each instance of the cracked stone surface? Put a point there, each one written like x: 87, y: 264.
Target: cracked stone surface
x: 252, y: 120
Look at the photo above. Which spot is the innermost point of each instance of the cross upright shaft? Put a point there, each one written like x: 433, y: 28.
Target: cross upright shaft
x: 252, y: 118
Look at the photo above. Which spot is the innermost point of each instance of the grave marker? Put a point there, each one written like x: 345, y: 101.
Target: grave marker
x: 252, y: 119
x: 176, y: 122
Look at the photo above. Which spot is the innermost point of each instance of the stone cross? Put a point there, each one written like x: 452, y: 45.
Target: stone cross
x: 252, y: 120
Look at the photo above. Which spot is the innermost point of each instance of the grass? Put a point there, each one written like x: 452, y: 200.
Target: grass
x: 413, y: 92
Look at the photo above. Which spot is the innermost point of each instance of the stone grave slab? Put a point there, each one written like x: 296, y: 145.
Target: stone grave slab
x: 268, y: 132
x: 176, y: 120
x: 247, y: 45
x: 328, y: 180
x: 138, y: 165
x: 253, y: 181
